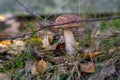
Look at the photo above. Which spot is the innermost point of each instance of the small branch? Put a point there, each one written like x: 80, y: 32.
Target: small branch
x: 26, y: 8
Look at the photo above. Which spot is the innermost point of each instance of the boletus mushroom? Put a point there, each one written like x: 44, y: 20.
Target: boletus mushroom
x: 70, y: 43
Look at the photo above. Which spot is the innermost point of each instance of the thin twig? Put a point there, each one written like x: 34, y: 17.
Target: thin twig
x: 30, y: 12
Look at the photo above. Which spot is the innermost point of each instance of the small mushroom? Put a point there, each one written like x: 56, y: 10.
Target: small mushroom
x: 70, y: 43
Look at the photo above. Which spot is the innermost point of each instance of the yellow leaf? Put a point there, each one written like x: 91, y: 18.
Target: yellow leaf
x: 5, y: 42
x: 35, y: 40
x: 87, y: 67
x: 42, y: 66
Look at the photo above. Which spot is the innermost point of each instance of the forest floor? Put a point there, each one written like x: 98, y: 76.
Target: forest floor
x: 27, y: 58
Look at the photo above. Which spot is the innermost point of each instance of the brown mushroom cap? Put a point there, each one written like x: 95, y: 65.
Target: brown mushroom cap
x: 66, y: 18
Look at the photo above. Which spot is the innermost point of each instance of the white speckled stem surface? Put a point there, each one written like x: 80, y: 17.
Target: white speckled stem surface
x: 70, y: 43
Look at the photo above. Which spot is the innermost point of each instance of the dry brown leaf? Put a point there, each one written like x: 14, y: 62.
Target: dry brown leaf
x: 42, y: 66
x: 113, y: 49
x: 34, y: 69
x: 87, y: 67
x: 93, y: 55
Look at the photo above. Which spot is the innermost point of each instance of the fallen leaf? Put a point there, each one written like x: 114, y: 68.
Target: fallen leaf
x: 113, y: 49
x: 34, y: 69
x: 42, y: 66
x: 91, y: 55
x: 87, y: 67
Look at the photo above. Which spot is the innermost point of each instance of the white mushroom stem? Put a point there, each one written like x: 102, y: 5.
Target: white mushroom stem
x: 70, y: 43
